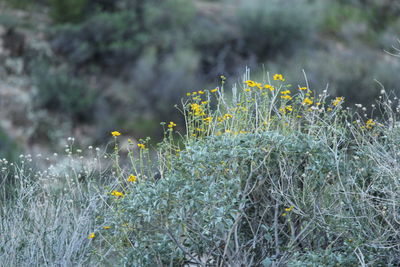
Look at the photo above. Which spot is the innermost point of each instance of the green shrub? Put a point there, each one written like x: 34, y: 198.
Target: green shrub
x: 269, y: 27
x: 63, y: 11
x: 270, y: 176
x: 59, y: 90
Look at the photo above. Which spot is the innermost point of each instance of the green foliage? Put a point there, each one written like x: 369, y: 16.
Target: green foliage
x: 8, y: 148
x: 59, y: 90
x: 272, y: 26
x: 305, y: 188
x: 63, y: 11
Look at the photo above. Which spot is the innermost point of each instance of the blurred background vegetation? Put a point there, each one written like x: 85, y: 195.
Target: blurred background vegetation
x: 88, y: 67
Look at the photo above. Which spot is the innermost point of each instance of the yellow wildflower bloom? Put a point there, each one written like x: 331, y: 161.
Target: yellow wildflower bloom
x: 289, y: 209
x: 171, y: 124
x: 106, y: 227
x: 214, y: 90
x: 208, y: 120
x: 289, y: 108
x: 227, y: 116
x: 279, y: 77
x: 369, y: 124
x: 188, y: 94
x: 337, y: 101
x: 115, y: 133
x: 250, y: 83
x: 302, y: 88
x: 91, y: 235
x: 141, y: 146
x: 285, y: 92
x: 259, y: 85
x: 117, y: 193
x: 270, y: 87
x: 132, y: 178
x: 200, y: 92
x: 307, y: 101
x: 287, y: 97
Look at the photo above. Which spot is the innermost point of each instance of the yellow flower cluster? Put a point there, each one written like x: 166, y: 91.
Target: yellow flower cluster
x: 141, y: 146
x: 197, y: 110
x: 252, y: 84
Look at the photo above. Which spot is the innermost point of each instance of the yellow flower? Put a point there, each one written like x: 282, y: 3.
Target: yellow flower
x: 141, y: 146
x: 307, y: 101
x: 132, y: 178
x: 115, y: 133
x: 208, y: 120
x: 250, y: 83
x: 227, y: 116
x: 337, y: 101
x: 247, y: 90
x: 288, y: 97
x: 285, y: 92
x: 302, y: 88
x: 279, y: 77
x: 117, y: 193
x: 370, y: 123
x: 201, y: 92
x: 91, y: 236
x: 289, y: 209
x: 289, y: 108
x: 188, y: 94
x: 106, y: 227
x: 171, y: 124
x: 214, y: 90
x: 270, y: 87
x: 259, y: 86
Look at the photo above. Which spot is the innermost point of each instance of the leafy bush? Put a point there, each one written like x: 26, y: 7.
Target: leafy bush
x: 270, y: 175
x: 67, y: 10
x: 272, y: 26
x: 116, y: 39
x: 59, y: 90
